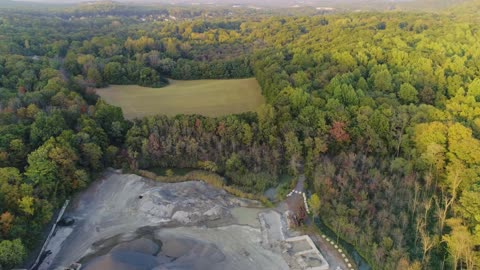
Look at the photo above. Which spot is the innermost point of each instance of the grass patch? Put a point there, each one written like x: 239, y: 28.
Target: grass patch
x: 204, y: 97
x: 176, y: 171
x: 287, y: 183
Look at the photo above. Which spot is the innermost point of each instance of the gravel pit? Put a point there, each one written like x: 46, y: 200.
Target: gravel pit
x: 130, y: 222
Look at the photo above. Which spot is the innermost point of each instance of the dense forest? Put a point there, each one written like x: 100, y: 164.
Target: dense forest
x: 382, y: 110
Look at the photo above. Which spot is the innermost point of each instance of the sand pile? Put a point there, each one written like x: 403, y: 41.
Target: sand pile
x: 186, y: 203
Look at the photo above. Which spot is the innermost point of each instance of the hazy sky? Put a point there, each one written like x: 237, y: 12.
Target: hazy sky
x: 266, y: 2
x: 218, y: 1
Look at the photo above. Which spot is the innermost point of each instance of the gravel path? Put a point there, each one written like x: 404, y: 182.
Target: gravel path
x: 334, y: 258
x: 330, y: 253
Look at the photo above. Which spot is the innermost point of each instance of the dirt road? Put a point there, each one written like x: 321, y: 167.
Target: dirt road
x: 331, y: 253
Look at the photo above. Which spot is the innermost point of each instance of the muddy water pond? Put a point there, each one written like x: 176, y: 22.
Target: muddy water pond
x: 149, y: 248
x: 196, y: 248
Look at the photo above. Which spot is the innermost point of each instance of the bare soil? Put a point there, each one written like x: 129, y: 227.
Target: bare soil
x: 221, y: 231
x: 124, y: 221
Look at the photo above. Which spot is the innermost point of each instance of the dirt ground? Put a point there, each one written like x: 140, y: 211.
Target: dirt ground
x: 121, y: 218
x: 111, y: 211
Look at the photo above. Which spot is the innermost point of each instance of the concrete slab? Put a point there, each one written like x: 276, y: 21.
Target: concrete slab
x: 307, y: 254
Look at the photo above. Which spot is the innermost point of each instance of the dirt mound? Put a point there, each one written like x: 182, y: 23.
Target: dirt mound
x: 186, y: 203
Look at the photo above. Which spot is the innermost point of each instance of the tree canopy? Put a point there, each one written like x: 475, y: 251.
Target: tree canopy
x: 382, y: 109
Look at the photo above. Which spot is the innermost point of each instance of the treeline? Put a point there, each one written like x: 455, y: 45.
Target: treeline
x: 111, y: 50
x: 54, y: 134
x: 220, y: 69
x: 361, y: 81
x: 232, y: 145
x: 399, y: 97
x: 54, y: 139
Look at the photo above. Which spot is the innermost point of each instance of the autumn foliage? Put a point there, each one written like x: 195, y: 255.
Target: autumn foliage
x: 338, y: 132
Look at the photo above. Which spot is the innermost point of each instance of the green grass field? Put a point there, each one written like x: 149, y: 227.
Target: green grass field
x: 205, y: 97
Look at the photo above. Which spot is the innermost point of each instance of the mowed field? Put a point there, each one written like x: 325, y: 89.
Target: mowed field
x: 205, y: 97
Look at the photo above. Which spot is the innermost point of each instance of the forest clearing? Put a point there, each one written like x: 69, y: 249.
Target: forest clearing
x: 205, y: 97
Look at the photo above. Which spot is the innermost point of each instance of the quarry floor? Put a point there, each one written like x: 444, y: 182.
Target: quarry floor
x: 223, y: 231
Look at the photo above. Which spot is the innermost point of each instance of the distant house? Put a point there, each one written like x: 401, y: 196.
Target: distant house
x: 325, y: 8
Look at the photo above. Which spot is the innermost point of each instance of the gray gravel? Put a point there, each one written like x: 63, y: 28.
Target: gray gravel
x: 193, y: 221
